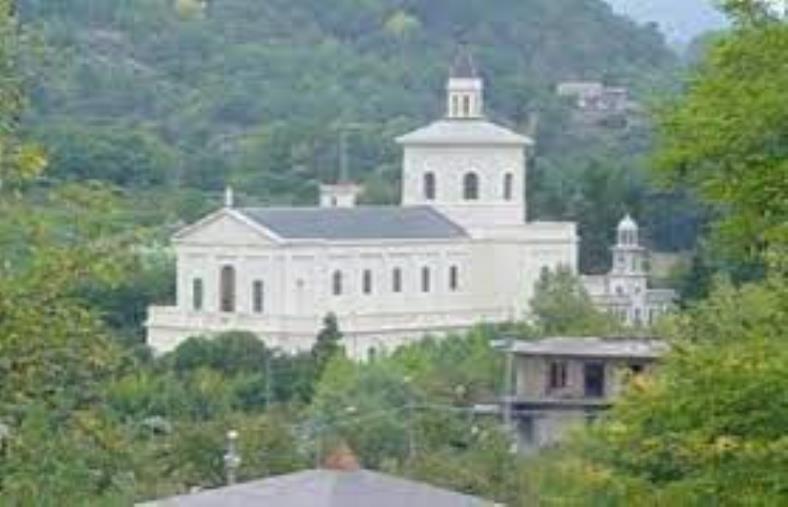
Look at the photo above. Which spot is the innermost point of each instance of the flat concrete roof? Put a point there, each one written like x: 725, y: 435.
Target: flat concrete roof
x: 591, y: 347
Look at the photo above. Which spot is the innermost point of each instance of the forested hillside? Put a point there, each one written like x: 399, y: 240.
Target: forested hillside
x: 188, y: 95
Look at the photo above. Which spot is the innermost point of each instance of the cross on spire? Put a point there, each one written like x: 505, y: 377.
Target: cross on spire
x: 463, y: 66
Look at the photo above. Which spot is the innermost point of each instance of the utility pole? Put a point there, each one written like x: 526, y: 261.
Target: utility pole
x: 232, y: 460
x: 409, y: 408
x: 344, y: 159
x: 269, y: 380
x: 507, y: 385
x: 344, y: 175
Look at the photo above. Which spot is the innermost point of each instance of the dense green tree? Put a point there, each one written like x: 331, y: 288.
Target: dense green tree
x: 726, y: 138
x: 561, y: 306
x: 123, y: 155
x: 228, y: 353
x: 328, y: 344
x: 60, y: 447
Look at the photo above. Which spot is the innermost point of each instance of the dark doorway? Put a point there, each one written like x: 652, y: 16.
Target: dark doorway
x: 594, y: 380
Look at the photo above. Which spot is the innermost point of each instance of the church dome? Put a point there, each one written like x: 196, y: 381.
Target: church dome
x: 627, y: 224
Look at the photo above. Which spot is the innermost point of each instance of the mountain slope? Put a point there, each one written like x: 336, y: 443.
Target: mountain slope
x: 207, y: 83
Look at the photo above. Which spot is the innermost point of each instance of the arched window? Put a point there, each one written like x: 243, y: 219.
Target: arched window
x: 336, y: 283
x: 198, y: 292
x: 396, y: 280
x: 227, y: 289
x: 470, y: 187
x: 425, y: 279
x: 258, y: 296
x: 367, y: 281
x: 508, y: 186
x: 454, y: 278
x: 429, y: 186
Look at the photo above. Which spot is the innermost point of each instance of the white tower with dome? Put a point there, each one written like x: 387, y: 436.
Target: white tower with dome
x: 624, y: 291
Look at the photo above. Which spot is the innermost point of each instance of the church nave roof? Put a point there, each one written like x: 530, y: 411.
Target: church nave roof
x: 364, y: 223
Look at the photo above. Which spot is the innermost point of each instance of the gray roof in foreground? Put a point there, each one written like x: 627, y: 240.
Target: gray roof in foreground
x: 592, y: 348
x: 362, y: 223
x: 326, y: 488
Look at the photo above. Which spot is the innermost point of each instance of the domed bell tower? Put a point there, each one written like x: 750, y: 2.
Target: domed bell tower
x: 629, y: 276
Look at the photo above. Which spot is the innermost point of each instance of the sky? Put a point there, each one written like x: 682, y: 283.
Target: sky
x: 680, y: 20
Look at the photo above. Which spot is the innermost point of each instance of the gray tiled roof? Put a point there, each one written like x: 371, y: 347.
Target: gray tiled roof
x: 326, y: 488
x: 464, y: 131
x: 418, y: 222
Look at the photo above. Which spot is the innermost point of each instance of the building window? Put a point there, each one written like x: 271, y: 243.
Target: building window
x: 470, y: 187
x: 367, y: 281
x: 429, y: 186
x: 227, y: 289
x: 258, y: 296
x: 558, y: 375
x: 396, y: 280
x: 508, y: 186
x: 425, y: 279
x: 466, y: 105
x: 198, y: 292
x: 336, y: 283
x: 454, y: 278
x: 594, y: 378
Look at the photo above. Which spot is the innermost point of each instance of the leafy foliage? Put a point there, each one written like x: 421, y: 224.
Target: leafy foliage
x: 561, y: 306
x: 726, y: 136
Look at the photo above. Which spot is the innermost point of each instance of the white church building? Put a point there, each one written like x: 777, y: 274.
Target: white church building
x: 458, y: 251
x: 624, y: 291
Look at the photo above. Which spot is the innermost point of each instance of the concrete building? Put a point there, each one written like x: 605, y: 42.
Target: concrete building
x: 459, y: 251
x: 560, y: 383
x: 624, y: 291
x: 592, y: 96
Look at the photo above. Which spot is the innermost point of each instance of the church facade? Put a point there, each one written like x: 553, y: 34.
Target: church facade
x: 457, y: 252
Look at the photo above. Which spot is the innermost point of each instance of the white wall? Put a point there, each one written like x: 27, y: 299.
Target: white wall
x: 497, y: 271
x: 450, y: 164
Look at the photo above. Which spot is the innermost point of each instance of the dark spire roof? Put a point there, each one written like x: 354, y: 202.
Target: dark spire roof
x: 463, y: 66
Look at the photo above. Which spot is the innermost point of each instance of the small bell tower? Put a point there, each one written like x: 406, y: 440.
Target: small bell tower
x: 629, y: 258
x: 465, y: 88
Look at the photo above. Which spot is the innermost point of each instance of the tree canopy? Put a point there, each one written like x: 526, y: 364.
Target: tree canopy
x: 726, y: 136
